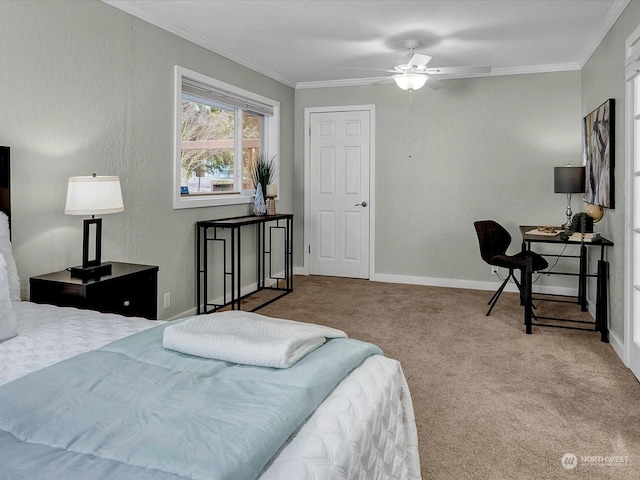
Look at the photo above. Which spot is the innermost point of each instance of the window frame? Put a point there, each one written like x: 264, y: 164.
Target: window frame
x: 271, y: 141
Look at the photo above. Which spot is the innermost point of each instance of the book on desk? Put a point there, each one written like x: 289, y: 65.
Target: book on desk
x: 586, y: 237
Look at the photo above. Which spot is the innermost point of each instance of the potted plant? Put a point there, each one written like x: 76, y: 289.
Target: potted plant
x: 263, y: 172
x: 579, y: 223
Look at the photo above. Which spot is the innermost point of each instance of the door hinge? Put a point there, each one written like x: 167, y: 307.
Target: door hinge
x: 309, y: 248
x: 309, y: 131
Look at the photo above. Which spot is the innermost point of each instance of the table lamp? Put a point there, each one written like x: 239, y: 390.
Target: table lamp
x: 568, y: 180
x: 93, y: 196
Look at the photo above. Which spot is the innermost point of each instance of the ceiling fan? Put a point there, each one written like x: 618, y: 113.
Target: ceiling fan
x: 415, y: 73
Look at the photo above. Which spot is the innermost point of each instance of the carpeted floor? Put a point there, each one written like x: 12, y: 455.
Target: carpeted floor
x: 490, y: 401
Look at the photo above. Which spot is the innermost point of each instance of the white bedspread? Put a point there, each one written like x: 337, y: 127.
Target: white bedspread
x: 247, y: 338
x: 48, y: 334
x: 364, y: 430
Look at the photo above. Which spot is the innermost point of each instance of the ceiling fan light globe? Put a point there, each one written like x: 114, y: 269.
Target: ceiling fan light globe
x: 410, y: 81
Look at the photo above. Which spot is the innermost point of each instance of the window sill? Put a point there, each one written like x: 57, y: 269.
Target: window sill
x: 198, y: 201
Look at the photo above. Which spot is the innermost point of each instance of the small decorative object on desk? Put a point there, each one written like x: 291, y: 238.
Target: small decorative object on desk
x: 259, y: 208
x: 596, y: 212
x: 545, y: 231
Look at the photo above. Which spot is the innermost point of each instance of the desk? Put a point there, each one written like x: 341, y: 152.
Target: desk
x: 601, y: 320
x: 211, y: 231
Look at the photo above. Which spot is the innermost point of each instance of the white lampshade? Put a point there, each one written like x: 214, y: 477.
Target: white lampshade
x: 93, y: 196
x: 410, y: 81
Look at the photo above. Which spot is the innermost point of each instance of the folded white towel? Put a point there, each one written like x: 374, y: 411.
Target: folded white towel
x: 247, y: 338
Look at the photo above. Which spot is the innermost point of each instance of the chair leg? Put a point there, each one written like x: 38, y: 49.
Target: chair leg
x: 496, y: 295
x: 521, y: 289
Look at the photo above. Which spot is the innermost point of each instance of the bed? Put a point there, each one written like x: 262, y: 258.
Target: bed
x: 91, y: 395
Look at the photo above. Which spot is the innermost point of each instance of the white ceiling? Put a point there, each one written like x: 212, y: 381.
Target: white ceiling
x: 306, y: 43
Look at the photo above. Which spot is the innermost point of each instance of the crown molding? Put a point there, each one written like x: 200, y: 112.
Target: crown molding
x: 615, y: 11
x: 133, y: 8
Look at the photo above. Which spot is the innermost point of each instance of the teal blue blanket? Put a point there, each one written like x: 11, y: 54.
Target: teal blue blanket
x: 133, y: 410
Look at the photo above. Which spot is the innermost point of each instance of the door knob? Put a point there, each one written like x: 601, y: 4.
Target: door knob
x: 363, y: 204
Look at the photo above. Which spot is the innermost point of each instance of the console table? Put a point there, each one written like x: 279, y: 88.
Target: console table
x: 601, y: 319
x: 227, y: 234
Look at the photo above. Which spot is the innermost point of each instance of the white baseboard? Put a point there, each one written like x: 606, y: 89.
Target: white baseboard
x: 618, y: 347
x: 615, y: 342
x: 247, y: 289
x: 193, y: 311
x: 469, y: 284
x: 432, y: 282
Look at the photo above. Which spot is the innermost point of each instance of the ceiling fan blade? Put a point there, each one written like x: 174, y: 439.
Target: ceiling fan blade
x: 434, y: 84
x: 458, y: 70
x: 382, y: 80
x: 419, y: 60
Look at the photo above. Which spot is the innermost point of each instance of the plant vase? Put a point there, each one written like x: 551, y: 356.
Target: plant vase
x: 271, y: 205
x: 259, y: 207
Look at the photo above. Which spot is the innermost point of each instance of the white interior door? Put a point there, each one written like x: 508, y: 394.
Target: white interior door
x: 632, y: 252
x: 339, y: 202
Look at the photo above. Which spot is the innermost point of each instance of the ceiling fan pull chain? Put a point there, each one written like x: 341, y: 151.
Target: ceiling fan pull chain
x: 411, y: 103
x: 410, y: 118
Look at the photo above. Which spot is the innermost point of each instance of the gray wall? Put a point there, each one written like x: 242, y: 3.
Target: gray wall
x: 87, y: 88
x: 603, y: 78
x: 484, y: 148
x: 481, y: 149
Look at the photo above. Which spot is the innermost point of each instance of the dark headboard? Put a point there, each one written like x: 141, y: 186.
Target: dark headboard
x: 5, y: 182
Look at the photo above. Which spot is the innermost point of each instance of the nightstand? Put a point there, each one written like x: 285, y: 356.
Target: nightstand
x: 130, y: 290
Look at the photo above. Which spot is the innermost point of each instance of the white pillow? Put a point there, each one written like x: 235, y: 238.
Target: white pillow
x: 8, y: 327
x: 7, y: 252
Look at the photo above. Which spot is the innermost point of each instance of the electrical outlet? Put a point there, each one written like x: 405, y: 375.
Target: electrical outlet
x: 494, y: 270
x: 167, y: 300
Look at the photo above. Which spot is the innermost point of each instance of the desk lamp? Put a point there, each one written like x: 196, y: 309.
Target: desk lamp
x: 568, y: 180
x: 93, y: 196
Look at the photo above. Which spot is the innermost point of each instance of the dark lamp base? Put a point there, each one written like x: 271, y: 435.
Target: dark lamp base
x: 91, y: 272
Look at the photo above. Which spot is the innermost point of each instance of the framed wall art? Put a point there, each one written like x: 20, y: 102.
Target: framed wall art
x: 599, y: 153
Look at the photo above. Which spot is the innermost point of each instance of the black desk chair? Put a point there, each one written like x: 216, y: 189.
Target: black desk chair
x: 494, y: 241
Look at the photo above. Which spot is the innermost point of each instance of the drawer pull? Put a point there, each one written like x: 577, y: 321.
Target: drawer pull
x: 126, y: 303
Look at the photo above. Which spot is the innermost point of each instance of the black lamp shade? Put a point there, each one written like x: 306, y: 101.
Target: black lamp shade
x: 568, y: 180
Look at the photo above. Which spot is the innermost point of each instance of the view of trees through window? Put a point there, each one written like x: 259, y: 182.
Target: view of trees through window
x: 208, y: 158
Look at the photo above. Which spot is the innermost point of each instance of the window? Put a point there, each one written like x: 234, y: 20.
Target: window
x: 631, y: 336
x: 220, y: 130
